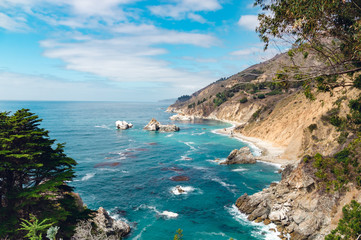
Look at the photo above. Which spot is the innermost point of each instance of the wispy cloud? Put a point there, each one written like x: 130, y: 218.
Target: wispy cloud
x: 249, y: 22
x: 15, y: 24
x: 131, y: 58
x: 186, y: 9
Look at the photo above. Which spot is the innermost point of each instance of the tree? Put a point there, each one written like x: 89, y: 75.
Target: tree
x: 327, y: 29
x: 178, y: 235
x: 33, y: 175
x: 349, y: 226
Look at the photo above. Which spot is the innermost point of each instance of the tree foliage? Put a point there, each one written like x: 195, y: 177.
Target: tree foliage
x: 349, y: 226
x: 33, y: 172
x: 329, y: 29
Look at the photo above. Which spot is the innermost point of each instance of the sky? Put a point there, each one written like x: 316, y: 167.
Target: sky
x: 123, y: 50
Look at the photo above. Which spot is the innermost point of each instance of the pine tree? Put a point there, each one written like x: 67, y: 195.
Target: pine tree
x: 33, y: 175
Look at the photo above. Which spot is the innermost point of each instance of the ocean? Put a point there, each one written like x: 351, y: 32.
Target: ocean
x: 131, y: 172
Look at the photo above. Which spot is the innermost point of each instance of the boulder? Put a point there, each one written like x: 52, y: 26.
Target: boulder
x: 110, y: 226
x: 154, y: 125
x: 241, y: 156
x: 123, y: 125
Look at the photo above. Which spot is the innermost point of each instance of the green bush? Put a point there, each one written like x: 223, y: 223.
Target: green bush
x: 349, y: 226
x: 261, y: 96
x: 274, y: 92
x: 243, y: 100
x: 312, y: 127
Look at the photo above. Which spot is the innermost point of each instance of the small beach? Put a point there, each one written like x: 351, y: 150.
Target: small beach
x: 263, y: 150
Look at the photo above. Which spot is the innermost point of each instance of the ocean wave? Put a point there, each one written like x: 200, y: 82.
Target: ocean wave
x: 277, y: 165
x: 109, y: 169
x: 239, y: 170
x: 88, y: 176
x: 189, y: 144
x: 143, y: 230
x: 170, y: 135
x: 186, y: 158
x: 216, y: 161
x: 198, y: 134
x: 229, y: 187
x: 184, y: 190
x: 103, y: 126
x: 260, y: 231
x: 165, y: 214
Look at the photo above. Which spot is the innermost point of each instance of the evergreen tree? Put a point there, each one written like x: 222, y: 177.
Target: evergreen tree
x: 33, y: 172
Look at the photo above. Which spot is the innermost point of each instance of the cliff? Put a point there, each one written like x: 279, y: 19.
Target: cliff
x: 285, y: 119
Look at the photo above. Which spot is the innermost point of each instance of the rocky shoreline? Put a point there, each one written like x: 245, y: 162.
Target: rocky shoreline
x: 294, y: 205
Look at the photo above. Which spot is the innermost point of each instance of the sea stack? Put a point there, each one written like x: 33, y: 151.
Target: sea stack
x: 154, y: 125
x: 241, y: 156
x: 123, y: 125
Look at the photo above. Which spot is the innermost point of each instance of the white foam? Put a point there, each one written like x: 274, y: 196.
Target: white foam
x: 165, y: 214
x: 88, y: 176
x: 170, y: 135
x: 198, y: 134
x: 239, y: 170
x: 261, y: 231
x: 184, y: 190
x: 102, y: 126
x: 277, y: 165
x: 168, y: 214
x: 189, y: 144
x: 142, y: 231
x: 217, y: 161
x: 224, y: 184
x: 186, y: 158
x: 254, y: 149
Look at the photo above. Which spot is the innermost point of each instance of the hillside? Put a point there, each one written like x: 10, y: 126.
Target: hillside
x: 285, y: 119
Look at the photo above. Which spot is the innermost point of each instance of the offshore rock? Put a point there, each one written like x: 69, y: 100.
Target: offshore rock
x: 123, y: 125
x: 154, y: 125
x: 110, y: 226
x: 241, y: 156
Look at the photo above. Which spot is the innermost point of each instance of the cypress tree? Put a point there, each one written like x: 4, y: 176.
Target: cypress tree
x: 33, y: 175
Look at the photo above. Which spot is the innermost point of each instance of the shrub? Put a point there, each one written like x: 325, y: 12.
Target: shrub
x: 243, y: 100
x: 312, y: 127
x: 261, y: 96
x: 349, y: 226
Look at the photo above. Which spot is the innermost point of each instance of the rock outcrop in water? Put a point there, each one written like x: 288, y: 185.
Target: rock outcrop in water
x: 110, y: 226
x: 295, y: 205
x: 241, y: 156
x: 154, y: 125
x: 123, y: 125
x: 181, y: 117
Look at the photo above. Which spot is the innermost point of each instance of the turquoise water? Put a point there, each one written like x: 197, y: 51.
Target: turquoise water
x: 130, y: 172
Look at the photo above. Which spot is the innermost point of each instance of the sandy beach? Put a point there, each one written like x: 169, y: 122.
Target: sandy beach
x: 263, y: 150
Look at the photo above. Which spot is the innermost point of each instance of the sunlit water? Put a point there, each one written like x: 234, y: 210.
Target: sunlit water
x: 130, y: 172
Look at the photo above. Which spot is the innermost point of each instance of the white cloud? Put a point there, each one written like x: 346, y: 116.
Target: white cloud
x: 131, y: 58
x: 183, y: 9
x: 16, y: 24
x: 249, y: 22
x: 248, y: 51
x: 255, y: 54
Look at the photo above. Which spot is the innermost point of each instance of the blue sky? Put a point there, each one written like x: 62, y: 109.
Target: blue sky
x: 123, y: 50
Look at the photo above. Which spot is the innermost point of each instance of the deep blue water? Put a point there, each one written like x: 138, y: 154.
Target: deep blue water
x: 129, y: 172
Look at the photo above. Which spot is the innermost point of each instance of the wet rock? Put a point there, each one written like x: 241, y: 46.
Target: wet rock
x: 181, y: 117
x: 179, y: 178
x: 241, y: 156
x: 123, y: 125
x: 154, y: 125
x: 110, y: 226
